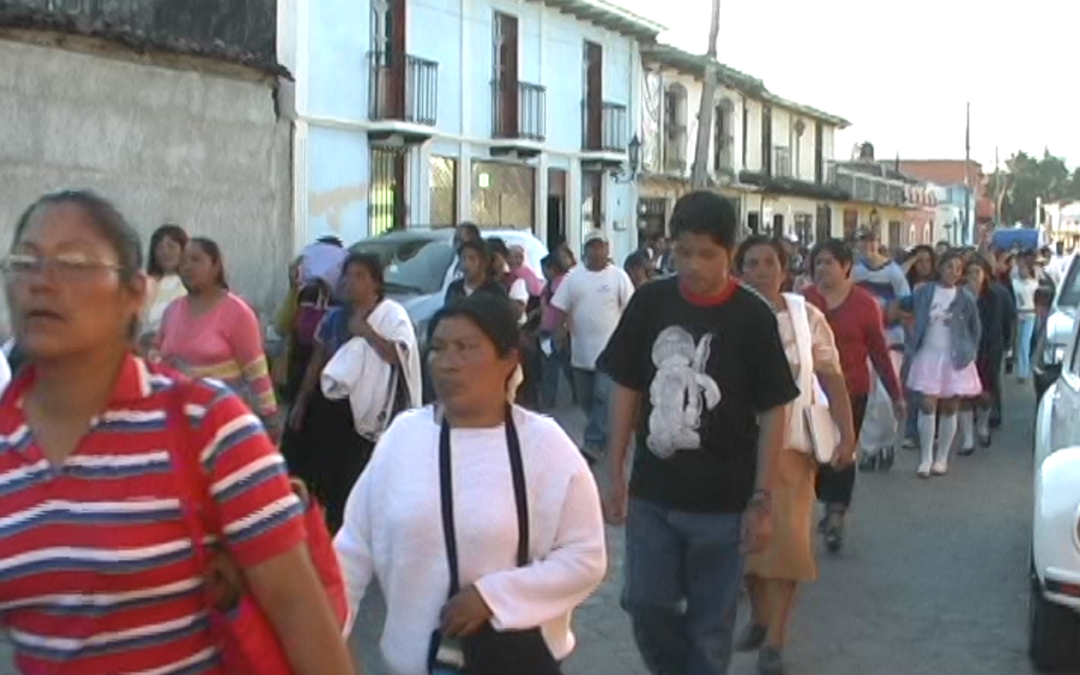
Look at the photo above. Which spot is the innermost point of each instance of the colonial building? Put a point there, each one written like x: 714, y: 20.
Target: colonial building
x: 431, y: 112
x: 768, y: 153
x: 970, y: 208
x: 166, y: 107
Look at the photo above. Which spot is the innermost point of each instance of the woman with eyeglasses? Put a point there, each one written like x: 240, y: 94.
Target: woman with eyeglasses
x: 97, y: 570
x: 212, y: 332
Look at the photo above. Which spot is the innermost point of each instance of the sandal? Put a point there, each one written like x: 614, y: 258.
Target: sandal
x: 751, y: 639
x: 834, y: 538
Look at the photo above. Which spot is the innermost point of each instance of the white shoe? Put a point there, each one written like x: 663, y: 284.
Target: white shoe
x: 924, y: 470
x: 939, y: 468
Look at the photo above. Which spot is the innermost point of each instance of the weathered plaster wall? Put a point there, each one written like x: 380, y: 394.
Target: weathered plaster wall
x: 166, y: 144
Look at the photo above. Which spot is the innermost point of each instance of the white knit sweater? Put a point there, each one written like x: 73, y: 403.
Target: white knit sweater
x: 393, y: 530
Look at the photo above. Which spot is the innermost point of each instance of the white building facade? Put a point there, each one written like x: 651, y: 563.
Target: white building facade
x: 427, y: 113
x: 767, y: 153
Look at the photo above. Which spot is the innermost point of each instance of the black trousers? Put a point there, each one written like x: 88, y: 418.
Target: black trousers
x: 328, y: 454
x: 835, y: 486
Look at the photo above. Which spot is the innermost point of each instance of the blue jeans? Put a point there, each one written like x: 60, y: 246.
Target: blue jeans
x: 594, y: 390
x: 1025, y: 333
x: 553, y: 369
x: 911, y: 421
x: 683, y: 572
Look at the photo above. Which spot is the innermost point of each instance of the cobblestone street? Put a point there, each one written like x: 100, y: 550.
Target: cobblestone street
x: 932, y: 580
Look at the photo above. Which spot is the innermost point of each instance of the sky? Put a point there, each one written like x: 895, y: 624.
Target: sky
x: 903, y: 72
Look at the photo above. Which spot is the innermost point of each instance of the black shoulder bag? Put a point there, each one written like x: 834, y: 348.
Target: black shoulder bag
x: 488, y: 652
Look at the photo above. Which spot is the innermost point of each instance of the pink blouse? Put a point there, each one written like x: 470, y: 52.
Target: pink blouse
x: 224, y: 343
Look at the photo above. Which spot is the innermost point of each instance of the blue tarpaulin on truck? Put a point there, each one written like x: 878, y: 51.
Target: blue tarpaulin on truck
x: 1011, y: 238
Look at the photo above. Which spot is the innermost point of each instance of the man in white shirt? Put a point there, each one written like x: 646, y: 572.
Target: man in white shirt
x: 1058, y: 265
x: 593, y: 296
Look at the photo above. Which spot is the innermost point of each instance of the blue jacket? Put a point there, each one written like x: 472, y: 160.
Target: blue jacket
x: 965, y: 327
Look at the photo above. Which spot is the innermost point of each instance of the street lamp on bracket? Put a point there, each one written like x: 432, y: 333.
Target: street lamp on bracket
x: 628, y: 172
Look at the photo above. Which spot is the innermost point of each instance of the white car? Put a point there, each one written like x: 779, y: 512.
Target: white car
x: 1054, y: 618
x: 1057, y: 330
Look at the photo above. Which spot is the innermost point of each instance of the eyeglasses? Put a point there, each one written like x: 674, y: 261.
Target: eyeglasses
x: 70, y: 267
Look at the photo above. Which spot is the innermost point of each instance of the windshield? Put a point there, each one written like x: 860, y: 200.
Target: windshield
x: 1070, y: 287
x: 412, y: 265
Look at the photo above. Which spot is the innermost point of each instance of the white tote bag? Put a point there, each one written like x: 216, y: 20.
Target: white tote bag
x: 813, y: 429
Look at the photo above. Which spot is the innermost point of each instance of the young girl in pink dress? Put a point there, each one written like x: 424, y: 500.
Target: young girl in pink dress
x: 214, y: 333
x: 941, y: 364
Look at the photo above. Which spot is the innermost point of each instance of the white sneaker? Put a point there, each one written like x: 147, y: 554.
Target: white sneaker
x: 939, y: 469
x: 924, y: 470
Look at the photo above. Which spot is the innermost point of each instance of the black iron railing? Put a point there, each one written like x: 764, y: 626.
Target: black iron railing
x: 518, y: 110
x: 403, y: 87
x: 606, y: 129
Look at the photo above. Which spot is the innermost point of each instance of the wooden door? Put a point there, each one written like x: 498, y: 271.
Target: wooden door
x: 594, y: 95
x: 398, y: 80
x: 506, y: 73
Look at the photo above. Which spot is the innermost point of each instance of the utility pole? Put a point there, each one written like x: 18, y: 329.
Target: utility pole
x: 967, y: 177
x: 699, y: 176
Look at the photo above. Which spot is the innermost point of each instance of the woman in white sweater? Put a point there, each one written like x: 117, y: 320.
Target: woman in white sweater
x: 394, y: 525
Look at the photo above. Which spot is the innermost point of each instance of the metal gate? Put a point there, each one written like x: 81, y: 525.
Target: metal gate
x: 386, y: 198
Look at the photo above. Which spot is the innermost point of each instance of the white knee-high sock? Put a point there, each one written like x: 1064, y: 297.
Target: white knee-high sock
x: 946, y: 436
x: 927, y: 431
x: 967, y: 429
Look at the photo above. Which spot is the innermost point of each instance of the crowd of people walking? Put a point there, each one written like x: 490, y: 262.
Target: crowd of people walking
x: 728, y: 386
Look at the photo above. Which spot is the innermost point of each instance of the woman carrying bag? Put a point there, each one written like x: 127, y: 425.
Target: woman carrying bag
x: 773, y: 575
x: 117, y: 463
x: 480, y: 520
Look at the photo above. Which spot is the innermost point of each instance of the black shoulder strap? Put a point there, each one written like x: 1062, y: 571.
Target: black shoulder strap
x: 446, y: 489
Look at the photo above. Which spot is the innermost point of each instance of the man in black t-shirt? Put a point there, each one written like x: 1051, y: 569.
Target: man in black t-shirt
x: 698, y: 363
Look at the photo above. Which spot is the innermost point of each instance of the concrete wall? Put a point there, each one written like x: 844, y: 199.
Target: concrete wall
x: 165, y: 144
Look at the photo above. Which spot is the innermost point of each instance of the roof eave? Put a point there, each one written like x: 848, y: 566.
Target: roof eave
x: 696, y: 64
x: 612, y: 17
x: 19, y: 19
x: 808, y: 111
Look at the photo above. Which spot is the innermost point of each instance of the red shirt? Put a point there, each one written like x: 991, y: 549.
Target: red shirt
x: 857, y: 325
x: 97, y: 575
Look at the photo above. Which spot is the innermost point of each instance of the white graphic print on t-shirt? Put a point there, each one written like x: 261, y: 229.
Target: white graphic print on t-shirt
x: 678, y: 391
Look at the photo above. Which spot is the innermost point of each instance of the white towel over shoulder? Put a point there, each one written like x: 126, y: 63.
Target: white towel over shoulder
x: 357, y: 371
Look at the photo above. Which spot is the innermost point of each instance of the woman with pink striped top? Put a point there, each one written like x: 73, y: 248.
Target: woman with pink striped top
x: 213, y: 333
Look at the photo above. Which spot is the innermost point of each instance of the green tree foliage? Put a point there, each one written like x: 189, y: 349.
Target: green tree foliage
x: 1026, y: 179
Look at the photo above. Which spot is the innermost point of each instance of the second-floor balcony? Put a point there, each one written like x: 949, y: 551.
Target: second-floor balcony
x: 605, y: 128
x: 867, y: 187
x: 723, y: 154
x: 518, y: 116
x: 403, y: 95
x: 676, y: 142
x: 781, y: 164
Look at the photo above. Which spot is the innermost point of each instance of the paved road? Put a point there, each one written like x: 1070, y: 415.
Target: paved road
x: 932, y: 580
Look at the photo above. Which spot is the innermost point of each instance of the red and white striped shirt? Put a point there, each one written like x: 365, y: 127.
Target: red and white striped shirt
x: 97, y: 575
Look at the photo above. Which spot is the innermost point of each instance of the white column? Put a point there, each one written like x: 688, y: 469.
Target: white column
x: 420, y: 166
x: 574, y: 234
x: 303, y: 58
x: 542, y: 188
x: 466, y: 97
x: 464, y: 183
x: 540, y: 197
x: 300, y: 184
